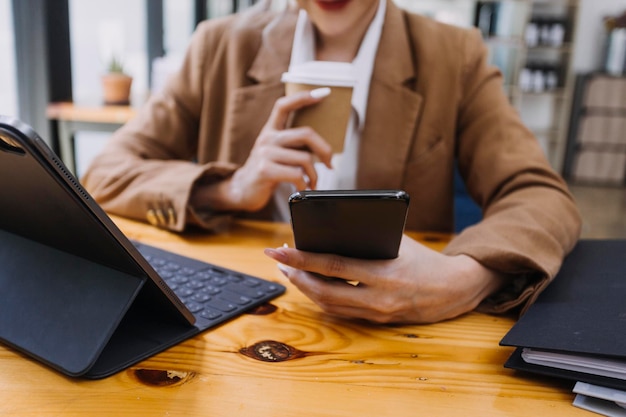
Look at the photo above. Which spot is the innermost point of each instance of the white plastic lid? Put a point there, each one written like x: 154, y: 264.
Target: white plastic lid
x: 333, y: 74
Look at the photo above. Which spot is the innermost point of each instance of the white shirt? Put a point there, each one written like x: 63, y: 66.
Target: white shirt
x: 343, y: 174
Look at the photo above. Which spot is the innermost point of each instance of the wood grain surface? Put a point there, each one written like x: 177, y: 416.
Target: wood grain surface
x: 290, y: 359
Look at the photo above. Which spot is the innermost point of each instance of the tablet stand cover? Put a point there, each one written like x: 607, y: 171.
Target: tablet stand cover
x: 71, y: 293
x: 57, y: 306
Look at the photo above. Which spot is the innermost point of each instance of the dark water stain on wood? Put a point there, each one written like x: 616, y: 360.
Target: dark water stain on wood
x: 263, y: 309
x: 162, y: 378
x: 414, y: 336
x: 272, y: 351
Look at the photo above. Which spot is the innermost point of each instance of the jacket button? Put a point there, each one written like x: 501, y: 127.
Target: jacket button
x: 171, y: 217
x: 152, y: 217
x: 160, y: 217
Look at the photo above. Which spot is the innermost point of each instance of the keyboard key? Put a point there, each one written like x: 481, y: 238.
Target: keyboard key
x: 200, y: 297
x: 251, y: 282
x: 186, y: 271
x: 210, y: 314
x: 178, y: 279
x: 211, y: 290
x: 245, y: 290
x: 170, y: 266
x: 235, y: 298
x: 165, y: 274
x: 202, y: 276
x: 237, y: 278
x: 195, y: 285
x: 184, y: 292
x: 219, y: 280
x: 194, y: 307
x: 222, y: 305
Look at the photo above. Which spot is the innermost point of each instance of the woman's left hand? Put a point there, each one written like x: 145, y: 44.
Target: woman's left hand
x: 419, y: 286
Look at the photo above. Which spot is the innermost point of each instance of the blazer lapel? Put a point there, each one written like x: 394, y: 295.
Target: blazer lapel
x: 274, y: 53
x: 252, y: 104
x: 392, y: 109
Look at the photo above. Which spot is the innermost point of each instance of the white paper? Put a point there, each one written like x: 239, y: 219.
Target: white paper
x: 599, y: 399
x: 611, y: 368
x: 600, y: 406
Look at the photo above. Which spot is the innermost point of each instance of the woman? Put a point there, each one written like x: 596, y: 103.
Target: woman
x: 216, y: 143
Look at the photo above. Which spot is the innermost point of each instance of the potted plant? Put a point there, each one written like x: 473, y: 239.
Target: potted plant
x: 116, y: 83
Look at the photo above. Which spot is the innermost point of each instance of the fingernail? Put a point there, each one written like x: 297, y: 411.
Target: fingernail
x: 320, y: 92
x: 283, y: 268
x: 275, y: 254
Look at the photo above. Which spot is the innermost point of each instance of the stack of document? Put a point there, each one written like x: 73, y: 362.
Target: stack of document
x: 576, y: 329
x: 602, y: 400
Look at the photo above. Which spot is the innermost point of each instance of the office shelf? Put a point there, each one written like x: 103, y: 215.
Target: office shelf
x: 596, y: 148
x: 525, y: 38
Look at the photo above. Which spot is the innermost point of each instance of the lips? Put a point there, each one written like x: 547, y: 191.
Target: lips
x: 332, y: 4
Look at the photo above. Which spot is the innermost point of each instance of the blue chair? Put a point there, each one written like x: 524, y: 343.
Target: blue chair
x: 466, y: 211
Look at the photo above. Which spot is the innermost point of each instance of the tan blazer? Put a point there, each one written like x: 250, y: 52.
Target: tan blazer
x: 432, y: 100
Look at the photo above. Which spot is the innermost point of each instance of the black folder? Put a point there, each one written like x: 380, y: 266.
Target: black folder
x: 582, y: 313
x: 75, y: 293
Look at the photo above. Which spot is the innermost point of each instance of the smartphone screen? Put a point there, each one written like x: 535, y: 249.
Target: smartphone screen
x: 365, y: 224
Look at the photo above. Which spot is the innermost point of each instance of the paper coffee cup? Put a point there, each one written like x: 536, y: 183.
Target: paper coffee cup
x: 329, y: 118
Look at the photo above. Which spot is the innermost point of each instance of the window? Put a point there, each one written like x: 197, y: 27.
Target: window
x: 178, y: 24
x: 100, y: 31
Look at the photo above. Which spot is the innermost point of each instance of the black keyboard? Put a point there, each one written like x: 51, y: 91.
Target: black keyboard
x: 213, y: 294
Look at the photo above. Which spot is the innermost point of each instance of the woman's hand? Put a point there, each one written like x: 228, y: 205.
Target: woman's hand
x: 278, y: 155
x: 419, y: 286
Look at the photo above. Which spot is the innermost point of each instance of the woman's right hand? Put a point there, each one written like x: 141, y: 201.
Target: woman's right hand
x: 278, y: 155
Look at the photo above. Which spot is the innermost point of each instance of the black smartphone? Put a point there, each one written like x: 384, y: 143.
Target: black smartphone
x: 365, y: 224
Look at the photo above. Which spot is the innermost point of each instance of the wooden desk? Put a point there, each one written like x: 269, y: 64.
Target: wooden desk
x: 69, y: 118
x: 338, y: 368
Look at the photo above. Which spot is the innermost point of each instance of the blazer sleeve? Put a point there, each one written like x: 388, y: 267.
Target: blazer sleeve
x: 530, y: 218
x: 146, y: 170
